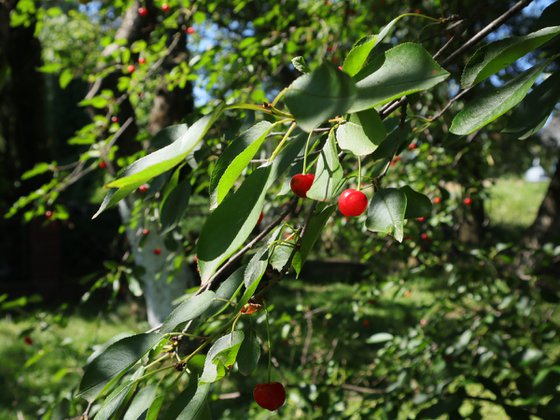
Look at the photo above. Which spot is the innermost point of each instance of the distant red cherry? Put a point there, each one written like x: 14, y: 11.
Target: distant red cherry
x: 102, y: 165
x: 28, y: 340
x: 145, y: 231
x: 300, y: 184
x: 157, y: 251
x: 352, y: 202
x: 141, y: 60
x: 340, y: 68
x: 165, y: 7
x: 261, y: 217
x: 424, y: 236
x: 142, y: 11
x: 49, y: 214
x: 270, y: 396
x: 365, y: 323
x: 421, y: 219
x: 412, y: 146
x: 143, y: 188
x: 190, y: 30
x: 436, y: 200
x: 114, y: 119
x: 131, y: 68
x: 467, y: 201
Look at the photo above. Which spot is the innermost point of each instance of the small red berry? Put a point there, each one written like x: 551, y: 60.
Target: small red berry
x: 142, y: 11
x: 157, y: 251
x: 143, y: 188
x: 365, y: 323
x: 114, y: 119
x: 467, y: 201
x: 165, y: 7
x: 131, y: 68
x: 352, y: 202
x: 340, y: 68
x: 421, y: 219
x: 436, y: 200
x: 261, y: 217
x: 28, y: 340
x: 141, y: 60
x: 270, y: 396
x: 300, y: 184
x: 412, y: 146
x: 424, y: 236
x: 190, y: 30
x: 102, y: 165
x: 49, y: 214
x: 145, y: 231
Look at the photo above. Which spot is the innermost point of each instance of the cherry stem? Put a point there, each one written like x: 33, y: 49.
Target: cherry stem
x: 359, y: 173
x: 306, y: 151
x: 268, y: 343
x: 279, y: 96
x: 284, y: 139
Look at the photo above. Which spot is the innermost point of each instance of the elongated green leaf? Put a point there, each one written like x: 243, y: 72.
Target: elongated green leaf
x: 141, y: 403
x: 534, y: 110
x: 169, y: 156
x: 195, y: 407
x: 386, y: 213
x: 221, y: 357
x: 394, y: 142
x: 317, y: 96
x: 153, y: 411
x: 402, y: 70
x: 493, y: 57
x: 314, y: 229
x: 249, y: 353
x: 492, y: 104
x: 328, y: 174
x: 114, y: 401
x: 235, y: 159
x: 379, y: 338
x: 114, y: 196
x: 256, y: 267
x: 227, y: 228
x: 358, y: 55
x: 191, y: 308
x: 417, y: 204
x: 226, y: 292
x: 363, y: 132
x: 114, y: 362
x: 174, y: 205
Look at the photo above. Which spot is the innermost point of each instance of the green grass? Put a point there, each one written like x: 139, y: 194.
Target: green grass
x: 514, y: 202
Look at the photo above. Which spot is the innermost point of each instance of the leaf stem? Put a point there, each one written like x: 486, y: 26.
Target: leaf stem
x: 359, y: 173
x: 279, y: 96
x: 281, y: 144
x: 269, y: 373
x: 306, y: 151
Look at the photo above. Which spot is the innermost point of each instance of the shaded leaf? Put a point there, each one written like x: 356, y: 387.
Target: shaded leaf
x: 363, y: 132
x: 249, y: 353
x: 196, y: 405
x: 386, y: 213
x: 141, y: 403
x: 328, y: 174
x: 417, y: 204
x: 191, y: 308
x: 221, y: 357
x: 112, y: 403
x: 314, y: 229
x: 174, y: 205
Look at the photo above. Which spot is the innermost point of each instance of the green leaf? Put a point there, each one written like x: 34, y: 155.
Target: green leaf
x: 314, y: 229
x: 226, y: 292
x: 394, y: 142
x: 65, y: 78
x: 153, y: 411
x: 249, y: 353
x: 114, y: 196
x: 493, y: 57
x: 494, y: 103
x: 141, y: 402
x: 191, y: 308
x: 195, y: 407
x: 358, y: 55
x: 221, y: 357
x: 402, y: 70
x: 328, y: 174
x: 417, y: 204
x: 386, y: 213
x: 38, y: 169
x: 227, y: 228
x: 379, y: 338
x: 114, y: 362
x: 533, y: 112
x: 363, y: 132
x: 256, y: 267
x: 112, y: 403
x: 235, y: 159
x: 169, y: 156
x: 300, y: 64
x: 322, y: 94
x: 174, y: 205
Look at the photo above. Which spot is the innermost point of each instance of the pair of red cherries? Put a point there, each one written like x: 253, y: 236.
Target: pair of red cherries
x: 351, y: 202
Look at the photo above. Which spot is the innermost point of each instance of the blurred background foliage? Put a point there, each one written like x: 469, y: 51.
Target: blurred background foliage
x: 458, y: 321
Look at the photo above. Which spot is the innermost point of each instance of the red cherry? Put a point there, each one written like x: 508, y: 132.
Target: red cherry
x: 340, y: 68
x: 157, y: 251
x: 190, y: 30
x: 412, y: 146
x: 102, y: 165
x: 165, y: 7
x: 270, y: 396
x: 143, y: 188
x: 424, y: 236
x: 142, y: 11
x: 114, y: 119
x: 352, y: 202
x: 421, y: 219
x: 365, y: 323
x: 28, y: 340
x: 49, y: 214
x: 467, y: 201
x: 141, y: 60
x: 261, y: 217
x: 300, y: 184
x: 436, y: 200
x: 145, y: 231
x: 131, y: 68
